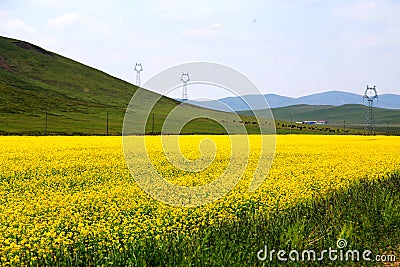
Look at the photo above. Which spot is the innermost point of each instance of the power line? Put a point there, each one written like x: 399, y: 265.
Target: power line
x: 45, y: 121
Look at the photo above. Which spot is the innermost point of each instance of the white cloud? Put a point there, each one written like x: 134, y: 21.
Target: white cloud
x: 13, y: 25
x: 66, y: 20
x: 17, y: 25
x: 216, y: 26
x: 381, y: 11
x: 372, y: 23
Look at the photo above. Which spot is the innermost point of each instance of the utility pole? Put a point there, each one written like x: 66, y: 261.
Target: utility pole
x: 185, y: 79
x: 45, y: 121
x: 370, y: 95
x: 387, y: 128
x: 138, y: 69
x: 344, y: 126
x: 107, y: 124
x: 291, y: 123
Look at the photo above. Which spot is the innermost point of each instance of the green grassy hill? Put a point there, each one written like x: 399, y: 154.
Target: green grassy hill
x: 353, y: 114
x: 77, y: 97
x: 386, y: 120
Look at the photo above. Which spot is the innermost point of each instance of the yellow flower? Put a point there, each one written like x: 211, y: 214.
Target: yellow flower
x: 58, y: 191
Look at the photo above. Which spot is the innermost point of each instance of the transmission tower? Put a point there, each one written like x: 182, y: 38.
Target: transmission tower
x: 138, y: 69
x: 185, y: 78
x: 370, y: 95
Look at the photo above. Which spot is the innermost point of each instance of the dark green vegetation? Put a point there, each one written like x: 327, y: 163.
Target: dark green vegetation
x: 77, y: 97
x: 386, y: 120
x: 353, y: 114
x: 366, y: 215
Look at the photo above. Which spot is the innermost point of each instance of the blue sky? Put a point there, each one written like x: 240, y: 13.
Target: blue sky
x: 288, y: 47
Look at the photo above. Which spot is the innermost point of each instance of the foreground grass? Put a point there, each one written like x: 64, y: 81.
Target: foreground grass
x: 366, y: 214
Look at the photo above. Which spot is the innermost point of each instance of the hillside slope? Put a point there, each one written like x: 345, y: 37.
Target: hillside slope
x: 76, y: 98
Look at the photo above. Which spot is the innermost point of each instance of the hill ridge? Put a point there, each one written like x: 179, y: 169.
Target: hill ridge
x: 353, y: 114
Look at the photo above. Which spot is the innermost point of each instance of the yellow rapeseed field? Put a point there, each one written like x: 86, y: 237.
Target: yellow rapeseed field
x: 57, y: 193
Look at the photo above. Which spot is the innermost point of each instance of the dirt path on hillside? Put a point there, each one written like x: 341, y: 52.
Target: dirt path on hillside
x: 4, y: 64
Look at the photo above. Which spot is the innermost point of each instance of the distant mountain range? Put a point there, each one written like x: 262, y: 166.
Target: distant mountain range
x: 332, y: 98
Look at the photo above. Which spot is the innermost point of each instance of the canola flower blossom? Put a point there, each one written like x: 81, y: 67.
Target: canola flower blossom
x: 60, y: 192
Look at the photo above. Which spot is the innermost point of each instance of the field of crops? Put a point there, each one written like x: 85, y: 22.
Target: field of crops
x: 64, y: 196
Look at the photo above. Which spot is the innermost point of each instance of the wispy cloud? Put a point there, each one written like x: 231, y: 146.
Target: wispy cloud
x: 18, y: 24
x: 384, y: 12
x: 216, y: 26
x: 67, y: 19
x: 11, y: 24
x: 373, y: 23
